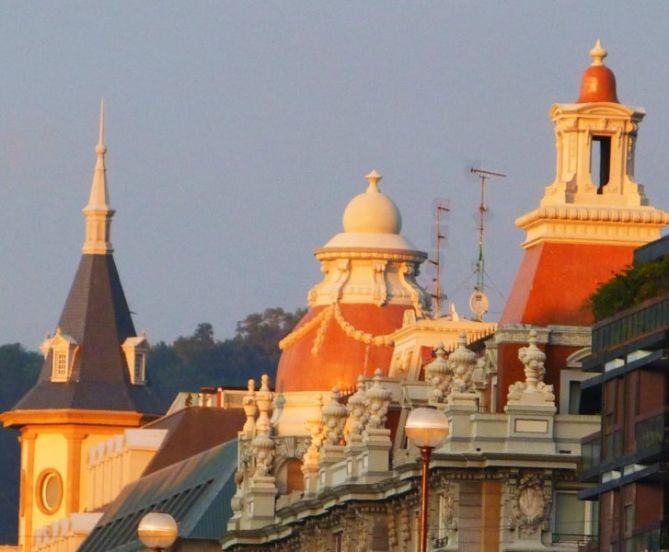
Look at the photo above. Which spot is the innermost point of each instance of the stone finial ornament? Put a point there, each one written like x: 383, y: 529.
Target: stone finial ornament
x: 250, y: 409
x: 379, y: 400
x: 439, y: 374
x: 462, y: 363
x: 315, y: 428
x: 334, y: 418
x: 264, y: 399
x: 533, y: 389
x: 357, y: 412
x: 263, y: 444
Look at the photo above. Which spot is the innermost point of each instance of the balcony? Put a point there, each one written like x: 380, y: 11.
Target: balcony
x: 613, y: 446
x: 648, y: 540
x: 591, y: 456
x: 645, y: 319
x: 651, y: 435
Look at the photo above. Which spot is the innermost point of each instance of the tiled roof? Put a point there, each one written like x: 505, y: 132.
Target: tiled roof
x: 196, y: 492
x: 96, y: 315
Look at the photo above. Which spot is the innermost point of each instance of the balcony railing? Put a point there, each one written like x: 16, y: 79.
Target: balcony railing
x: 591, y: 452
x: 613, y: 445
x: 653, y: 540
x: 650, y: 434
x: 630, y: 324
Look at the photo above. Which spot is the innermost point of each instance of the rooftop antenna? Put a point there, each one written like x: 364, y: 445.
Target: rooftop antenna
x: 440, y: 206
x: 478, y: 300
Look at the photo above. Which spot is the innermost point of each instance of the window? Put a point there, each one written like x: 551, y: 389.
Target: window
x: 49, y: 491
x: 63, y: 349
x: 139, y: 366
x: 135, y: 350
x: 569, y: 517
x: 600, y: 161
x: 60, y: 364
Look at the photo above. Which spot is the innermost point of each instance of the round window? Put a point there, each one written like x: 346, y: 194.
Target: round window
x: 50, y: 491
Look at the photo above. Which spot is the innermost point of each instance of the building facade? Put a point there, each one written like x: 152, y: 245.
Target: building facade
x: 319, y: 459
x: 626, y: 459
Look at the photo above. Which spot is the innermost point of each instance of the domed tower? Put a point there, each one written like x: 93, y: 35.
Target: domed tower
x: 369, y: 283
x: 592, y: 216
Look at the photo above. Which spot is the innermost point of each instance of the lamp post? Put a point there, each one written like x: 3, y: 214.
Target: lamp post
x: 157, y: 531
x: 426, y: 428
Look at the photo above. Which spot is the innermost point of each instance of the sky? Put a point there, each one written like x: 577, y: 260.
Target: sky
x: 237, y: 132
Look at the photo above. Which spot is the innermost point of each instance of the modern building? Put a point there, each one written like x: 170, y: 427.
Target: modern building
x: 320, y: 460
x: 626, y: 459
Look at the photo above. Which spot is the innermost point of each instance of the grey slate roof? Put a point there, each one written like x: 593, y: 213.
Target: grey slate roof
x: 96, y: 315
x: 196, y: 492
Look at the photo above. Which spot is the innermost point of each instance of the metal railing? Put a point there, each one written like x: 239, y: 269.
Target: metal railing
x: 613, y: 446
x: 591, y: 451
x: 630, y: 324
x: 650, y: 433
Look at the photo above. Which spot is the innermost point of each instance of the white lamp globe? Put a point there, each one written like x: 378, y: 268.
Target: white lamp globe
x: 157, y: 530
x: 426, y: 427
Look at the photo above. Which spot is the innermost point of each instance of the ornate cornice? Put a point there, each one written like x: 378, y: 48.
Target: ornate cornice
x: 592, y: 224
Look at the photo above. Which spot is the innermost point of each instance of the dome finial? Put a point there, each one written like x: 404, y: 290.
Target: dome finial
x: 373, y: 179
x: 598, y: 53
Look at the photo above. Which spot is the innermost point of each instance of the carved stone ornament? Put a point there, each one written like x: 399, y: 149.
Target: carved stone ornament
x: 334, y: 418
x: 357, y: 407
x: 533, y: 390
x: 379, y: 400
x: 250, y: 409
x: 263, y: 451
x: 316, y: 433
x: 439, y: 374
x: 530, y: 503
x: 462, y: 363
x: 264, y: 399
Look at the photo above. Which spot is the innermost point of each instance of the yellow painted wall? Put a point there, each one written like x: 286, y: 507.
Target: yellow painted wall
x: 100, y: 435
x: 50, y: 453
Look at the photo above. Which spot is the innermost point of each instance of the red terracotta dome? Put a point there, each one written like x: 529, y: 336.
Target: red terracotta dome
x: 340, y: 359
x: 598, y: 83
x: 369, y: 282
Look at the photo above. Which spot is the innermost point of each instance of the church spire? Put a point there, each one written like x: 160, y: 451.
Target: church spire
x: 98, y: 214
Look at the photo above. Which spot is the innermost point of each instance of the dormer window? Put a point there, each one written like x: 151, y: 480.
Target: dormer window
x: 135, y: 350
x: 60, y: 365
x: 63, y: 349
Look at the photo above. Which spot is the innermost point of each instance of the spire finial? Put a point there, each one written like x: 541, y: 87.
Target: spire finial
x: 373, y: 179
x: 598, y: 53
x: 98, y: 213
x: 101, y: 148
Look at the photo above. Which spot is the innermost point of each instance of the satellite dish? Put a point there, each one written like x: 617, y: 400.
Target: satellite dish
x: 478, y: 304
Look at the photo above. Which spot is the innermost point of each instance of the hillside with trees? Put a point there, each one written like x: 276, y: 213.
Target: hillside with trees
x: 187, y: 364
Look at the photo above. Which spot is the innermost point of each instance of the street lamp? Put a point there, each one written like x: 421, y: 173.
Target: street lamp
x: 157, y: 531
x: 426, y: 428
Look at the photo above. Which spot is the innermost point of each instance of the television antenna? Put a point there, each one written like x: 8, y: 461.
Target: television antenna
x: 478, y: 300
x: 440, y: 206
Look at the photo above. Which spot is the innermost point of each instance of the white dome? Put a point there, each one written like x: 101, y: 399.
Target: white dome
x: 372, y: 211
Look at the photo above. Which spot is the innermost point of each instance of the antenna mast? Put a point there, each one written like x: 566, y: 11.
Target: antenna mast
x: 478, y: 302
x: 440, y: 207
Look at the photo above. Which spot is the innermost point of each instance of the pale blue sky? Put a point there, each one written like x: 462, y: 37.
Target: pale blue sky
x: 238, y: 131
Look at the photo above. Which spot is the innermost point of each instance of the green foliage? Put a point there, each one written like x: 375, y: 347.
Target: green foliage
x: 18, y: 371
x: 200, y: 360
x: 188, y: 364
x: 631, y: 287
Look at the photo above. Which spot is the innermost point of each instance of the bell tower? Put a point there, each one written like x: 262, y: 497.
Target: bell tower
x: 592, y: 216
x: 92, y: 383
